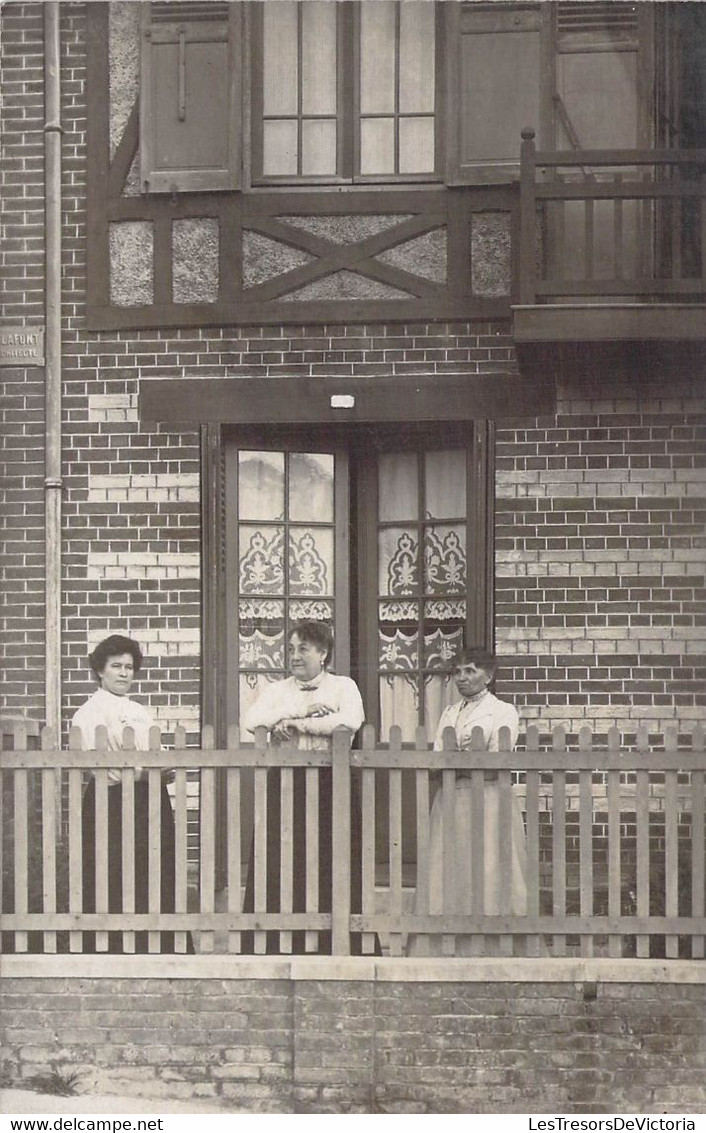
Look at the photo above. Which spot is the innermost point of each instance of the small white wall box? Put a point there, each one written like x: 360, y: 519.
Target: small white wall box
x: 342, y: 401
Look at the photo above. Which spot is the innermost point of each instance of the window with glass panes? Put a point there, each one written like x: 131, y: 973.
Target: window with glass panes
x: 345, y: 92
x: 290, y: 509
x: 422, y: 582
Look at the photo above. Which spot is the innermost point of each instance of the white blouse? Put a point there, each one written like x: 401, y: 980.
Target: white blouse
x: 488, y: 713
x: 287, y: 699
x: 114, y: 713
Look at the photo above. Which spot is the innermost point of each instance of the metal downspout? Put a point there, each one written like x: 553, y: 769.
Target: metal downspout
x: 52, y: 396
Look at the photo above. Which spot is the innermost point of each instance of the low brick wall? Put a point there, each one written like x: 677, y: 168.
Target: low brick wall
x: 365, y: 1035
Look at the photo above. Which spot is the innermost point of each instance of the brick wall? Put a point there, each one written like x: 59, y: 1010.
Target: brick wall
x: 600, y: 555
x: 368, y: 1045
x: 129, y: 564
x: 22, y: 390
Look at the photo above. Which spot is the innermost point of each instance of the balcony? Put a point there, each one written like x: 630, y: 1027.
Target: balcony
x: 614, y: 846
x: 612, y: 256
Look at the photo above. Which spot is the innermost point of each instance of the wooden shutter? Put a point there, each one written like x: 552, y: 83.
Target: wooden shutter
x: 493, y: 76
x: 597, y: 96
x: 189, y: 97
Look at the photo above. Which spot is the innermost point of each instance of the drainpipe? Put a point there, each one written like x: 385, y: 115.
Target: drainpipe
x: 52, y: 367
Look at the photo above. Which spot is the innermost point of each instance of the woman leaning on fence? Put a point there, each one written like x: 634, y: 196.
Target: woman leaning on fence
x: 473, y: 670
x: 303, y: 711
x: 114, y: 663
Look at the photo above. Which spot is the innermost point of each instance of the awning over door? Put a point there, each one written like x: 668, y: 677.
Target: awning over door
x: 306, y: 400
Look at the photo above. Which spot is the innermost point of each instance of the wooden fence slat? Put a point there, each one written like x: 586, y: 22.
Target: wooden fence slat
x: 340, y: 849
x: 367, y: 791
x: 585, y: 853
x: 180, y: 852
x: 676, y: 235
x: 154, y: 852
x: 421, y: 897
x: 698, y: 882
x: 21, y: 821
x: 313, y: 842
x: 395, y: 843
x: 75, y: 838
x: 395, y: 862
x: 618, y: 231
x: 207, y: 893
x: 49, y: 833
x: 532, y: 829
x: 261, y: 784
x: 614, y: 879
x: 642, y: 852
x: 559, y: 239
x: 6, y: 777
x: 671, y: 859
x: 644, y: 216
x: 477, y: 835
x: 504, y: 853
x: 559, y: 856
x: 448, y: 868
x: 101, y: 849
x: 128, y: 851
x: 286, y: 860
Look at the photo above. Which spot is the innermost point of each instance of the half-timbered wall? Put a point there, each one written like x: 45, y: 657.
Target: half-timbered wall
x: 204, y: 258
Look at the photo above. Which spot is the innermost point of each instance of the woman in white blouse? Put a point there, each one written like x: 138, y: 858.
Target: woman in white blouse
x: 303, y: 710
x: 115, y: 662
x: 473, y: 671
x: 306, y: 707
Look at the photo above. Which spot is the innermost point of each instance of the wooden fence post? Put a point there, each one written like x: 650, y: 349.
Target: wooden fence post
x: 528, y: 217
x: 341, y: 843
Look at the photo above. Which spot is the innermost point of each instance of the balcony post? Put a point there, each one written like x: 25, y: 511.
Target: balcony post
x: 528, y: 216
x: 341, y: 843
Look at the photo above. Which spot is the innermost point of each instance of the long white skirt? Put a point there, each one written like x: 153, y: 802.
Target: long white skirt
x: 460, y: 900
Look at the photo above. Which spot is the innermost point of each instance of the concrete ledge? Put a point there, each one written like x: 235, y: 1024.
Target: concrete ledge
x: 355, y: 968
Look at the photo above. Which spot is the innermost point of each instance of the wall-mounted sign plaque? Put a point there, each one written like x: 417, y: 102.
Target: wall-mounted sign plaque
x: 22, y: 346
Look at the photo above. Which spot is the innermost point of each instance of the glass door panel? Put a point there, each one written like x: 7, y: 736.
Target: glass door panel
x: 287, y: 521
x: 421, y: 574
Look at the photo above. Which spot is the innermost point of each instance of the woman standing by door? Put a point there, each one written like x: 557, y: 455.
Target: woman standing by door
x: 303, y: 710
x: 473, y: 670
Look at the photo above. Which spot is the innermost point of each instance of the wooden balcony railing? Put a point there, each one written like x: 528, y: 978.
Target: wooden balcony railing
x: 606, y: 225
x: 614, y: 838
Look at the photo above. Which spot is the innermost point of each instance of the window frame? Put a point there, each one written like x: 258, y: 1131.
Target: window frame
x: 348, y: 113
x: 477, y: 439
x: 254, y: 438
x: 356, y: 546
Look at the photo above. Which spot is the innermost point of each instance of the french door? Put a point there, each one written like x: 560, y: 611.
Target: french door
x: 385, y: 534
